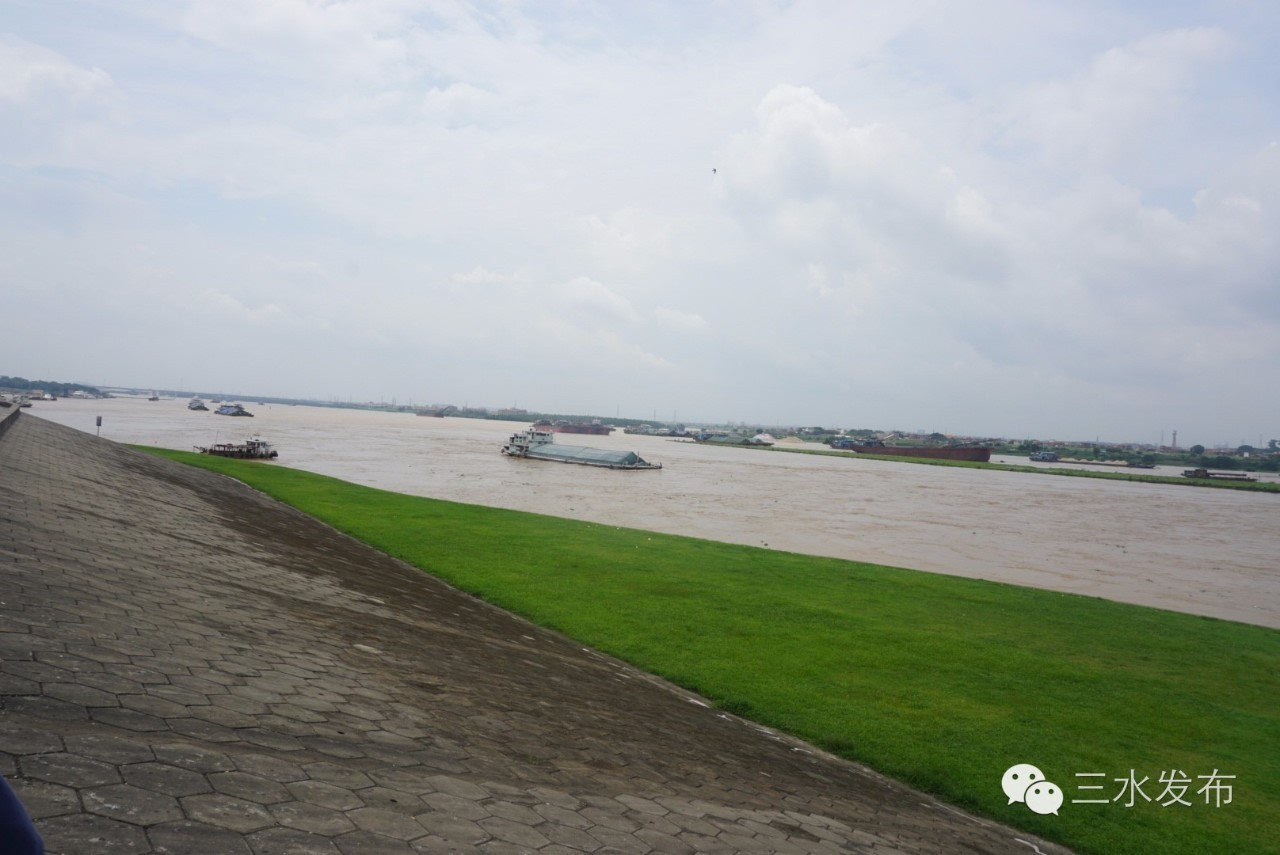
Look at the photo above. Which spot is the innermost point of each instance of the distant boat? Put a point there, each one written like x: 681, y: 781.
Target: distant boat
x: 196, y: 404
x: 538, y: 444
x: 232, y: 410
x: 154, y: 397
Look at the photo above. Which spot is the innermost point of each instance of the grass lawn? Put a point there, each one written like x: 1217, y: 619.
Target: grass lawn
x: 940, y: 681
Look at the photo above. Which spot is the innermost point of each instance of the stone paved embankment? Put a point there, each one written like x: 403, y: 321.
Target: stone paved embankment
x: 189, y: 667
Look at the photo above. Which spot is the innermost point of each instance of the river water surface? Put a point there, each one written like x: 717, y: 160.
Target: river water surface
x: 1206, y: 551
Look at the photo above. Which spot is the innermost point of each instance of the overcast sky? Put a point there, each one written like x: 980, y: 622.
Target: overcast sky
x: 1048, y: 219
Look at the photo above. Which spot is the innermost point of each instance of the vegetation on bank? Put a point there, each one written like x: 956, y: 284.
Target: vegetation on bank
x: 1243, y: 458
x: 1120, y: 474
x: 940, y: 681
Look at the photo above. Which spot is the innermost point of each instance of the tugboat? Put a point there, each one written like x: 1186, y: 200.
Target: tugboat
x: 196, y: 404
x: 539, y: 444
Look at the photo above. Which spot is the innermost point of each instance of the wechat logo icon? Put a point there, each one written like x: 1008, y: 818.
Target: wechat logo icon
x: 1025, y: 783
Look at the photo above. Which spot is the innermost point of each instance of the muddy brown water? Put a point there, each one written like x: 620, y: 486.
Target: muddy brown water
x: 1204, y: 551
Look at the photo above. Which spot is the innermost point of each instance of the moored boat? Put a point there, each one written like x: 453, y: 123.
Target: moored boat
x: 253, y: 448
x: 540, y: 444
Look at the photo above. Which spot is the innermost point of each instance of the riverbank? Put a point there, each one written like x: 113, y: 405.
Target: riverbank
x: 191, y: 667
x: 941, y: 681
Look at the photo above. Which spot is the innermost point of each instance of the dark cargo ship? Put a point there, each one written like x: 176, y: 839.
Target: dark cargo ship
x: 977, y: 454
x: 593, y: 427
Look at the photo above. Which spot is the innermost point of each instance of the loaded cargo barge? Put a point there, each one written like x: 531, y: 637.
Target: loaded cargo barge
x: 977, y: 454
x: 539, y: 444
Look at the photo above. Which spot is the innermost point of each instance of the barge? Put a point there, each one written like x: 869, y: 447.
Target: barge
x: 540, y: 444
x: 1216, y: 476
x: 596, y: 427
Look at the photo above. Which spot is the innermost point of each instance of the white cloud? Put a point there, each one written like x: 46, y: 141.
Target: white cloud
x: 221, y: 303
x: 592, y: 303
x: 680, y: 321
x: 481, y: 275
x: 30, y: 73
x: 1112, y: 110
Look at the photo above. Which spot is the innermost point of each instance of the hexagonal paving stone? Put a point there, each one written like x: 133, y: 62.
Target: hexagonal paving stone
x: 291, y: 841
x: 164, y: 778
x: 43, y: 799
x: 17, y: 739
x: 203, y: 730
x: 270, y: 738
x: 109, y: 748
x: 71, y: 770
x: 573, y: 838
x: 152, y: 705
x: 390, y: 823
x: 458, y: 787
x: 193, y: 757
x: 186, y: 837
x: 269, y: 767
x: 42, y: 708
x: 513, y: 832
x: 367, y: 843
x: 332, y: 773
x: 312, y: 818
x: 325, y: 794
x: 455, y: 806
x: 85, y: 832
x: 514, y: 812
x: 227, y: 812
x: 12, y: 684
x: 249, y: 787
x: 128, y: 719
x: 75, y: 693
x: 390, y: 798
x: 333, y: 747
x: 131, y: 804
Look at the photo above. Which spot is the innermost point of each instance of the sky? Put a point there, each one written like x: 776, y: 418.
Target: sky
x: 1030, y: 218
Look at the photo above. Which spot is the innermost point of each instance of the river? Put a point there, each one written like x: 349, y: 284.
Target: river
x: 1211, y: 552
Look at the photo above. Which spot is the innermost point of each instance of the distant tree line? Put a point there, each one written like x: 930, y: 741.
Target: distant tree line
x: 1245, y: 458
x: 21, y: 384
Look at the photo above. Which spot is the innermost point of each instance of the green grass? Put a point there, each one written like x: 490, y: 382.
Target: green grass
x: 940, y: 681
